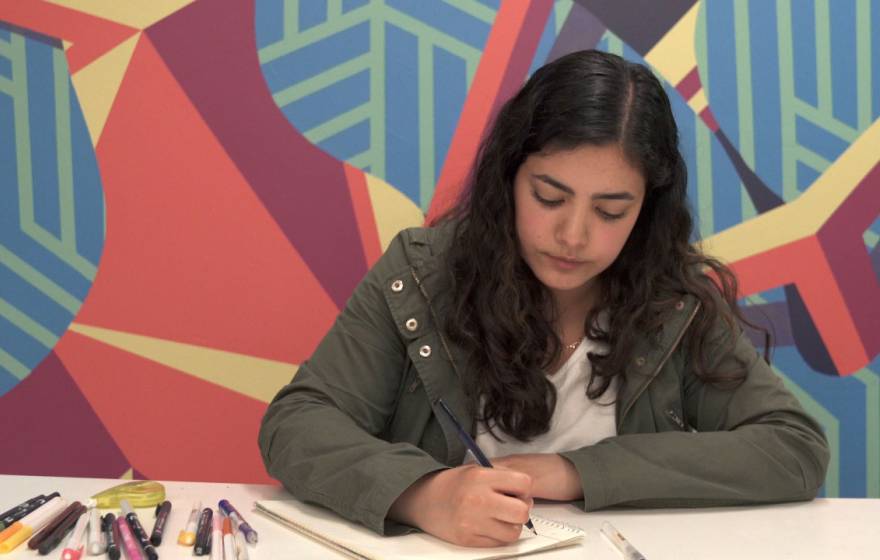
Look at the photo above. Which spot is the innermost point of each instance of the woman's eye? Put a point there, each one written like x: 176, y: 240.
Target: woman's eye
x: 608, y: 215
x: 547, y: 201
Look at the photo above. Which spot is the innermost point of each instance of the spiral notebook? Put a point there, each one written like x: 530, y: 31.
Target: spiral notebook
x: 359, y: 542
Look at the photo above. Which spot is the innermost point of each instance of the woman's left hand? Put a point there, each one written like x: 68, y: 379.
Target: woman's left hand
x: 553, y: 476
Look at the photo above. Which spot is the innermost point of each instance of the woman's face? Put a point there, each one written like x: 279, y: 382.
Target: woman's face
x: 575, y: 210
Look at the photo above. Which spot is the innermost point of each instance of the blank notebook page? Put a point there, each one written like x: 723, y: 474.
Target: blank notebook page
x: 357, y: 541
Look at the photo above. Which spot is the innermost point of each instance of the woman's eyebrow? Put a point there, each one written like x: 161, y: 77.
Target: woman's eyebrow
x: 616, y: 195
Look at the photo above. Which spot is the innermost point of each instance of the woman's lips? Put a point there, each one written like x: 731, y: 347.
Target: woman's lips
x: 564, y: 263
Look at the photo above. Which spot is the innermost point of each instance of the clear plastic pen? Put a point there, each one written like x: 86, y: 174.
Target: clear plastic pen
x: 187, y: 535
x: 627, y: 550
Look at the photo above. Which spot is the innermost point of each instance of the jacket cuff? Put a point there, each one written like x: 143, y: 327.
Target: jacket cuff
x: 385, y: 495
x: 594, y: 477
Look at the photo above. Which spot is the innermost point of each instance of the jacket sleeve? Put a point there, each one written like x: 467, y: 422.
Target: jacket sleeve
x: 754, y: 444
x: 320, y: 435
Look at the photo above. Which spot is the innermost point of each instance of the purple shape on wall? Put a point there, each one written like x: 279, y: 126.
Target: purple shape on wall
x: 48, y: 423
x: 210, y: 47
x: 581, y: 30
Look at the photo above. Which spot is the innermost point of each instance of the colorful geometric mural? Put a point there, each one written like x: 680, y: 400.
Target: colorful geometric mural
x: 189, y: 192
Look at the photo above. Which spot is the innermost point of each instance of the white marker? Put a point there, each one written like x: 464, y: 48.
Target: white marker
x: 240, y: 543
x: 97, y: 544
x: 74, y: 547
x: 217, y: 536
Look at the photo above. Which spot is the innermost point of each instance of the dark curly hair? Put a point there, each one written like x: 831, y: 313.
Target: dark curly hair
x: 502, y: 316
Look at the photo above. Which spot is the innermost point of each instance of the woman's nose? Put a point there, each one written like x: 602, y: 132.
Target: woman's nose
x: 573, y: 230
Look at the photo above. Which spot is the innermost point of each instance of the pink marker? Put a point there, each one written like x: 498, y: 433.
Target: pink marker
x: 131, y: 546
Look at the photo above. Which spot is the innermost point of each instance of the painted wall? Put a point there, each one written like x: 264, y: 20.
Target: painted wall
x: 190, y: 190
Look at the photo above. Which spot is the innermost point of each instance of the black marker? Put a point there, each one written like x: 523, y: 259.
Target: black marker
x: 203, y: 533
x: 14, y: 510
x: 107, y: 523
x: 138, y: 530
x: 19, y: 511
x: 162, y: 512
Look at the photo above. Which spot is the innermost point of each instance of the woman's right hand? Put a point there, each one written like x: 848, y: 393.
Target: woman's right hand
x: 468, y: 505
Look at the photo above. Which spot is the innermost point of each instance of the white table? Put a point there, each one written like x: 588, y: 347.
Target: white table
x: 824, y: 529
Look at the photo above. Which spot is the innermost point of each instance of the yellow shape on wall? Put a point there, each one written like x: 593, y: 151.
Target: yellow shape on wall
x: 675, y: 55
x: 254, y: 377
x: 804, y: 216
x: 392, y: 209
x: 97, y: 84
x: 139, y: 14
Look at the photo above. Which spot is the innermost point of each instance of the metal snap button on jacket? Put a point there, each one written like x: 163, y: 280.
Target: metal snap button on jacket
x: 425, y: 351
x: 411, y: 324
x: 397, y: 286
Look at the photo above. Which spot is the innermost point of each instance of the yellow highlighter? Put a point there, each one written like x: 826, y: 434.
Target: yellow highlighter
x: 22, y: 530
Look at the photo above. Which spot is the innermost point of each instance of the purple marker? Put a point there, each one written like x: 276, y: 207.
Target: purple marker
x: 243, y: 526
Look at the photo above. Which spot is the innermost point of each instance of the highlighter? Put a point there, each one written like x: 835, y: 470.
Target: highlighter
x: 187, y: 536
x: 22, y: 530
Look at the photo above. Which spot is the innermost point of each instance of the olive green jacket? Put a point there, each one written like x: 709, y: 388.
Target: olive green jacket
x: 359, y: 422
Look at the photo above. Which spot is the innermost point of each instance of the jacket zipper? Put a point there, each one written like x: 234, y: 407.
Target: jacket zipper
x: 662, y: 363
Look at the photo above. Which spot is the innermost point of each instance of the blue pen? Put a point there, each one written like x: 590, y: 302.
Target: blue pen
x: 469, y: 442
x: 229, y: 510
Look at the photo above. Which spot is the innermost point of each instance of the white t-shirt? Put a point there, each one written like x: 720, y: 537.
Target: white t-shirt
x: 577, y: 421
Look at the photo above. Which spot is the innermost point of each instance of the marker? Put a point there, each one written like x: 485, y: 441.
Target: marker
x: 228, y: 540
x: 22, y: 530
x: 25, y: 509
x: 187, y: 535
x: 217, y: 538
x: 52, y: 541
x: 162, y: 512
x: 111, y: 535
x: 243, y: 526
x: 240, y: 543
x: 138, y: 530
x: 50, y: 527
x: 74, y: 547
x: 132, y: 550
x: 203, y: 533
x: 628, y: 551
x: 97, y: 543
x: 10, y: 516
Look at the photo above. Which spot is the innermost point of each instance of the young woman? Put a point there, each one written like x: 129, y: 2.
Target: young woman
x: 563, y: 315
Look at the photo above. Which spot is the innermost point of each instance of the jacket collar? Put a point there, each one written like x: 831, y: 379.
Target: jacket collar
x: 649, y: 357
